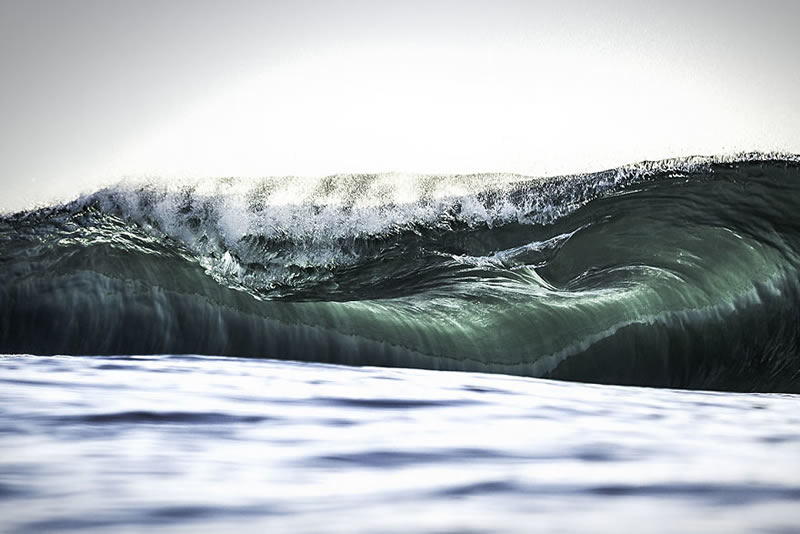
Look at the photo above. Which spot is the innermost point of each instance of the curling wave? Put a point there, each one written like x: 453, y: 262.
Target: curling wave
x: 678, y: 273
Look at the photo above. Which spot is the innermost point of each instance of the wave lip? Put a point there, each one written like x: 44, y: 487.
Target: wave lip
x: 678, y: 273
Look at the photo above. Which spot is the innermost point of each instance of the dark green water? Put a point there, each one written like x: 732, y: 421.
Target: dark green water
x: 681, y: 273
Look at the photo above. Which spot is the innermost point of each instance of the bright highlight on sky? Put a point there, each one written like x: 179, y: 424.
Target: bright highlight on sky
x: 95, y: 91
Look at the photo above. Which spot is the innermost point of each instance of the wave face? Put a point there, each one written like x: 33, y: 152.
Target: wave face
x: 679, y: 273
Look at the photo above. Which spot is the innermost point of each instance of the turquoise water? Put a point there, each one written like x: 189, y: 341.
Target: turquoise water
x: 204, y: 444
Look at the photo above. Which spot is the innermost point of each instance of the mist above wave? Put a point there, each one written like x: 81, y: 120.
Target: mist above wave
x: 356, y: 205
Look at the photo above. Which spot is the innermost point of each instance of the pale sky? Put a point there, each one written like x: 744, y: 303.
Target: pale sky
x: 93, y: 91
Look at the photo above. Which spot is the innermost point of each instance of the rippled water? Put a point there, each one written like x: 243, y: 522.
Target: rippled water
x: 177, y: 443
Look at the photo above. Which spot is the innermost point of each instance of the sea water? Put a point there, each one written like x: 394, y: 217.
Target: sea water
x: 208, y: 444
x: 600, y: 352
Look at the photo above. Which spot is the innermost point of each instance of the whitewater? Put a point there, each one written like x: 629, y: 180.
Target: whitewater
x: 394, y: 353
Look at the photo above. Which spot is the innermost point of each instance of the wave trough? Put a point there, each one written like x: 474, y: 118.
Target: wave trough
x: 678, y: 273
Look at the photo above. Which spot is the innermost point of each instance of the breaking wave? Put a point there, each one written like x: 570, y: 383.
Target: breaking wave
x: 677, y: 273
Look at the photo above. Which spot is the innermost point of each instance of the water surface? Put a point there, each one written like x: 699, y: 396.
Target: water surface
x: 204, y: 444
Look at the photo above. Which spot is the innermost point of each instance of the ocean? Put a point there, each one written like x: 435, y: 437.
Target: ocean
x: 404, y: 353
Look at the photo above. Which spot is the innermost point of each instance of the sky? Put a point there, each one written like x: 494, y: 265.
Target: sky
x: 96, y: 91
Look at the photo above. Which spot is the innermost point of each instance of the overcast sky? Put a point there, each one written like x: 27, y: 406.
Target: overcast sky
x: 95, y: 90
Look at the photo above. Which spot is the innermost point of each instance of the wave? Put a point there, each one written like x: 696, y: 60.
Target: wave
x: 676, y: 273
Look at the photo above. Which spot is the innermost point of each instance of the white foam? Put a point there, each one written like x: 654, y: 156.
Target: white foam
x: 228, y: 221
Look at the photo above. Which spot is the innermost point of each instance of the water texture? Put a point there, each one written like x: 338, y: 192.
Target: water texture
x: 174, y: 354
x: 201, y: 444
x: 679, y: 273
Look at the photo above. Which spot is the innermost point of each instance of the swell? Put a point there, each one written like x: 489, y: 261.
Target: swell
x: 672, y: 274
